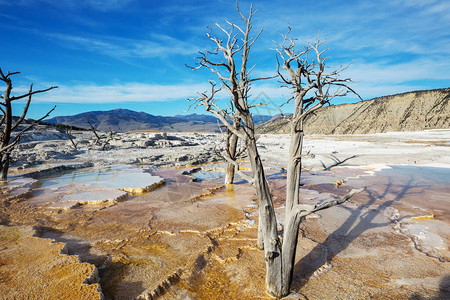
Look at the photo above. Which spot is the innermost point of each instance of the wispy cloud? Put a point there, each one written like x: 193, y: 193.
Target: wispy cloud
x: 127, y: 92
x: 103, y: 5
x: 397, y: 45
x: 368, y: 28
x: 122, y: 48
x: 99, y: 5
x: 375, y: 73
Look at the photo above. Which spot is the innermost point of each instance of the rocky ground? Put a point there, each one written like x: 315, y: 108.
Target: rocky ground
x: 168, y: 236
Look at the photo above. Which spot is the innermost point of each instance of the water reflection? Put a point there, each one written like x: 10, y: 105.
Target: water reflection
x: 122, y: 176
x: 200, y: 176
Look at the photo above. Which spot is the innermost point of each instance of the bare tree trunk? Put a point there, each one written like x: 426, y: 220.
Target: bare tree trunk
x: 292, y: 220
x: 260, y: 238
x: 4, y: 166
x: 294, y: 167
x: 290, y: 239
x: 229, y: 173
x: 69, y: 135
x: 6, y: 134
x: 232, y: 141
x: 268, y: 225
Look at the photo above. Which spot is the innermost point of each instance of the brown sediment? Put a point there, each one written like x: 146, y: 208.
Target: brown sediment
x: 198, y: 240
x: 35, y: 268
x: 428, y: 143
x: 146, y: 189
x: 429, y: 217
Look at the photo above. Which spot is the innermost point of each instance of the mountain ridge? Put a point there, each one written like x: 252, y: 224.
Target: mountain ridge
x: 410, y: 111
x: 121, y: 119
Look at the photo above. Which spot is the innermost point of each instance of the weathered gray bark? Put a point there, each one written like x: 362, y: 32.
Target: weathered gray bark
x: 229, y: 173
x: 292, y: 220
x: 268, y: 225
x: 231, y: 149
x: 267, y: 231
x: 6, y: 122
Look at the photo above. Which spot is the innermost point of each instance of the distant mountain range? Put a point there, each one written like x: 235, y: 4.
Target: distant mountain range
x: 128, y: 120
x: 412, y: 111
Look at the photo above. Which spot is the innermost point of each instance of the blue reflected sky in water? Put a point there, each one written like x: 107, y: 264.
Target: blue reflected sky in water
x: 114, y: 177
x: 419, y: 174
x: 200, y: 176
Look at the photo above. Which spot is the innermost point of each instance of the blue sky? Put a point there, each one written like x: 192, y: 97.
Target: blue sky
x: 132, y: 54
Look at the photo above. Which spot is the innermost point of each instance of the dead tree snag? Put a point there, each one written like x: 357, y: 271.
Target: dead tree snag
x: 313, y: 87
x: 234, y: 43
x: 8, y: 125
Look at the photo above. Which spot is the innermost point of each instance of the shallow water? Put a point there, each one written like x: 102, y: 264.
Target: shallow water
x: 205, y: 175
x: 425, y: 188
x: 432, y: 176
x: 122, y: 176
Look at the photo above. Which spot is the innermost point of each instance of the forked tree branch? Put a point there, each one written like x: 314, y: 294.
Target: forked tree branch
x: 244, y: 176
x: 306, y: 209
x: 309, y: 76
x: 32, y: 93
x: 94, y: 131
x: 17, y: 138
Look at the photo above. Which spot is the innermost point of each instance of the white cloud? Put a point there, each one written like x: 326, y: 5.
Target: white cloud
x: 380, y: 73
x: 128, y: 92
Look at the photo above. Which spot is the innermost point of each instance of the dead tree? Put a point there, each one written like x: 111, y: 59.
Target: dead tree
x: 313, y: 85
x: 107, y: 139
x: 97, y: 137
x: 231, y: 148
x: 69, y: 135
x: 101, y: 141
x: 7, y: 126
x: 234, y: 77
x: 279, y: 253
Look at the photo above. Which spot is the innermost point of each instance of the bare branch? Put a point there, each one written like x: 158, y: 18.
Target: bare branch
x: 258, y: 104
x: 211, y: 106
x: 335, y: 202
x: 307, y: 209
x: 94, y: 131
x: 25, y: 110
x: 69, y: 135
x: 3, y: 116
x: 107, y: 139
x: 32, y: 93
x: 4, y: 77
x: 17, y: 138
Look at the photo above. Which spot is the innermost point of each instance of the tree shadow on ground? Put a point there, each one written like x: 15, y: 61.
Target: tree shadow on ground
x: 360, y: 220
x: 337, y: 162
x: 443, y: 294
x: 113, y: 286
x: 73, y: 246
x: 110, y: 272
